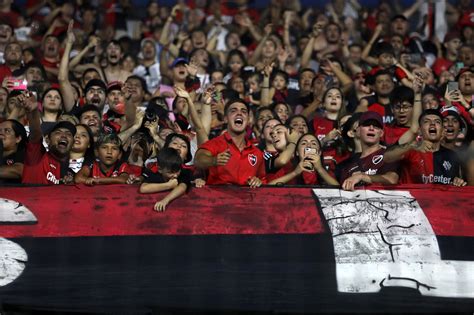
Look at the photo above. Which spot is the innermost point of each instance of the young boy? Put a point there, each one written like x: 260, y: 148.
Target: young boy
x: 107, y: 168
x: 170, y: 176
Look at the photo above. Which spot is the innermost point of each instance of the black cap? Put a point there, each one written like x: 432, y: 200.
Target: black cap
x: 64, y: 124
x: 399, y: 16
x: 95, y: 82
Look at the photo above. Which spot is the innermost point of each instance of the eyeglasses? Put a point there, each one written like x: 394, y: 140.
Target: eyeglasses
x: 403, y: 107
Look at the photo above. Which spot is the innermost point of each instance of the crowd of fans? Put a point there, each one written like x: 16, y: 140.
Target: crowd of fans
x: 218, y: 92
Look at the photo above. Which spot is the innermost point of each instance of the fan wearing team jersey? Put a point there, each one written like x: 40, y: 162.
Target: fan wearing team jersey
x: 402, y: 106
x: 379, y: 102
x: 41, y: 166
x: 107, y: 169
x: 369, y: 165
x: 427, y: 161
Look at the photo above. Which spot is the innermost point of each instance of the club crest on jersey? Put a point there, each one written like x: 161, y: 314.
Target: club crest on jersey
x: 377, y: 159
x: 252, y: 159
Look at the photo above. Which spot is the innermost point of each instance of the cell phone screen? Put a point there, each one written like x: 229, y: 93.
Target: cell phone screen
x: 453, y: 85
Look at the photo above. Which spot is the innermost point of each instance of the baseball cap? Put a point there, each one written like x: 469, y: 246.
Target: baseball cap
x: 464, y: 70
x: 95, y: 82
x: 114, y: 85
x: 454, y: 112
x: 64, y: 124
x: 370, y: 116
x: 178, y: 61
x: 399, y: 16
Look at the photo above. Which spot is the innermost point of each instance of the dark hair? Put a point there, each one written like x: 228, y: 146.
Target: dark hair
x: 142, y: 82
x: 20, y: 131
x: 169, y: 159
x: 109, y: 138
x: 280, y: 73
x: 89, y: 154
x: 346, y: 127
x: 261, y: 109
x: 235, y: 52
x: 289, y: 120
x: 34, y: 64
x: 170, y: 138
x: 235, y: 100
x: 402, y: 94
x: 313, y: 135
x: 430, y: 112
x: 383, y: 48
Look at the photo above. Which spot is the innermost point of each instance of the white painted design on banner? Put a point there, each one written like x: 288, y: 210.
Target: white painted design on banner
x: 383, y: 238
x: 12, y: 211
x: 12, y: 256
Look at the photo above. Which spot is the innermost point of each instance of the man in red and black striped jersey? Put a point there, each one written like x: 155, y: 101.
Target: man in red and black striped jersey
x: 428, y: 162
x: 41, y: 166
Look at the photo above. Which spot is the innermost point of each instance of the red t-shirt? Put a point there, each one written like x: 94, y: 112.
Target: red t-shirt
x: 438, y: 167
x: 117, y: 170
x: 383, y: 110
x: 391, y: 133
x: 241, y: 166
x: 41, y: 167
x: 330, y: 156
x: 272, y: 172
x: 5, y: 71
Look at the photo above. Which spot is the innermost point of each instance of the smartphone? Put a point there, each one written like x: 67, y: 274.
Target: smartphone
x: 19, y: 84
x: 453, y: 85
x: 415, y: 58
x: 459, y: 65
x: 308, y: 151
x: 329, y: 80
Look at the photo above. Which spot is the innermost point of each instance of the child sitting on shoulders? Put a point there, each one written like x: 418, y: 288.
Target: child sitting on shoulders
x: 170, y: 176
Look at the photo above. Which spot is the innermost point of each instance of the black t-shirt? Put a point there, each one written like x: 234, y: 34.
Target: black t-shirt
x: 17, y: 157
x: 184, y: 177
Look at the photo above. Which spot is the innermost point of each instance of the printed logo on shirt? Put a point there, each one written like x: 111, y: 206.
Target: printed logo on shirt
x: 52, y: 166
x: 447, y: 166
x: 377, y: 159
x: 50, y: 176
x: 252, y: 159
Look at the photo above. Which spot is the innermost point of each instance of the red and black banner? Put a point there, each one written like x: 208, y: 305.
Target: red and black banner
x: 216, y: 248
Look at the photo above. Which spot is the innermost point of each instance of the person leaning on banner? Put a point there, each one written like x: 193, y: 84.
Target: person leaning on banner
x: 427, y: 161
x: 41, y: 166
x: 231, y: 158
x: 369, y: 165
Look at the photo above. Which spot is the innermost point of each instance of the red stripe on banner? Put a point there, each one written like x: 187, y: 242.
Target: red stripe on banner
x: 448, y: 208
x: 121, y: 210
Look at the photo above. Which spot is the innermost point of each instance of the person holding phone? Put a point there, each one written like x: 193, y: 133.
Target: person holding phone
x: 308, y: 165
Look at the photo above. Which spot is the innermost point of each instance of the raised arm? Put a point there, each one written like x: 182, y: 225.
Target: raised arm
x: 63, y: 77
x: 284, y: 157
x: 365, y: 53
x: 410, y: 135
x: 202, y: 135
x: 28, y: 100
x: 258, y: 51
x: 267, y: 92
